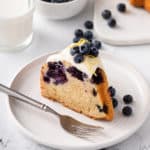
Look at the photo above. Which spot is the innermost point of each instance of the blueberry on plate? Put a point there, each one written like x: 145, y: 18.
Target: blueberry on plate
x: 121, y: 7
x: 88, y: 35
x: 94, y: 51
x: 112, y: 22
x: 112, y: 91
x: 115, y: 102
x: 78, y: 33
x: 76, y: 39
x: 128, y: 99
x: 127, y: 111
x: 106, y: 14
x: 97, y: 44
x: 88, y: 24
x: 78, y: 58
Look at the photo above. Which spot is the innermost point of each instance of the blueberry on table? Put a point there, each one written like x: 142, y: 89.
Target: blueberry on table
x: 78, y: 58
x: 97, y: 44
x: 88, y: 24
x: 106, y: 14
x: 121, y: 7
x: 88, y: 35
x: 78, y: 33
x: 128, y: 99
x: 112, y: 91
x: 127, y: 111
x: 115, y: 102
x: 112, y: 22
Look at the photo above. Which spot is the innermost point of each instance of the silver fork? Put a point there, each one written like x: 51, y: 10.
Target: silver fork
x: 68, y: 123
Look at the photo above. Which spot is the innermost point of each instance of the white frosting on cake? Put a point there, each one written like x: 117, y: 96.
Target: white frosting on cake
x: 88, y: 66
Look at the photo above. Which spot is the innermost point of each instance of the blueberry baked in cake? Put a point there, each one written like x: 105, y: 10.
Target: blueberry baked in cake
x: 75, y: 78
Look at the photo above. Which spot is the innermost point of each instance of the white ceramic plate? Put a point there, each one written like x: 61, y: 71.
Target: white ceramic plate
x: 133, y: 26
x: 45, y: 128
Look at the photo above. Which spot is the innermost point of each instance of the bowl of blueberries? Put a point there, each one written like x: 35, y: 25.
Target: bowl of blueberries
x: 60, y: 9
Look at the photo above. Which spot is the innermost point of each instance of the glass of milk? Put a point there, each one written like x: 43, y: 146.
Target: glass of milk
x: 16, y: 24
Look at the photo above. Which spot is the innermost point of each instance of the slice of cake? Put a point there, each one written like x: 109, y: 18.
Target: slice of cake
x: 75, y: 77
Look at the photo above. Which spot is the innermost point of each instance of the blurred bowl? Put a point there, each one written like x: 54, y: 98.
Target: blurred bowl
x: 62, y: 10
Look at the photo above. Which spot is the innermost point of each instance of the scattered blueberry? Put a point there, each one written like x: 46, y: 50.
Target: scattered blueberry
x: 128, y: 99
x: 88, y: 35
x: 127, y: 111
x: 88, y: 24
x: 115, y: 102
x: 78, y: 33
x: 78, y: 58
x: 76, y: 39
x: 106, y: 14
x: 112, y: 91
x: 94, y: 51
x: 112, y: 22
x: 121, y: 7
x: 97, y: 44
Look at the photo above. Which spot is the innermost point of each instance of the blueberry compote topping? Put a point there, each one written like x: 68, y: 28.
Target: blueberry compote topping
x: 56, y: 71
x: 97, y: 77
x: 77, y: 73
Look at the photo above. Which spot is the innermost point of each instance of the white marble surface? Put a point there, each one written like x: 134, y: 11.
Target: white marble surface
x: 46, y: 33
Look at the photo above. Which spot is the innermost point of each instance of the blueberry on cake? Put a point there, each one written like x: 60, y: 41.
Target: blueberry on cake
x: 75, y: 78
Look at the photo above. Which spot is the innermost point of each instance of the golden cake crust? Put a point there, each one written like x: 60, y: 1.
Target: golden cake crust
x: 141, y: 3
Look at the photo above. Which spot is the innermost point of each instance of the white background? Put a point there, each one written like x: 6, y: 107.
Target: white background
x: 56, y: 35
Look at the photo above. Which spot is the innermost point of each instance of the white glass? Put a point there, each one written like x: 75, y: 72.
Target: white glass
x: 16, y: 17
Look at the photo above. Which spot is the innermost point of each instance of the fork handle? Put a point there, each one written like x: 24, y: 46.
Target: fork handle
x: 23, y: 98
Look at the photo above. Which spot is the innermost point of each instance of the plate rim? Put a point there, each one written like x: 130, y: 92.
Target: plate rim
x: 29, y: 134
x: 122, y: 42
